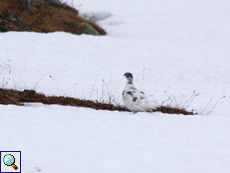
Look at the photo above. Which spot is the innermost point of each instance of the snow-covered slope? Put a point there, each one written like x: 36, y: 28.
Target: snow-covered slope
x: 70, y: 139
x: 171, y: 47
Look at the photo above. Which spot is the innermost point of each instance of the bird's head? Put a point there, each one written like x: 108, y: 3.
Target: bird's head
x: 129, y: 77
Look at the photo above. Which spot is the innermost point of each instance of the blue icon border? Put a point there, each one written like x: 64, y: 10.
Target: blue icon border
x: 11, y: 152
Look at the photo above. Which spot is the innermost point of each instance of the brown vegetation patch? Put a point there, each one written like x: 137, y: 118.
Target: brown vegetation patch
x: 171, y: 110
x: 9, y: 96
x: 42, y: 17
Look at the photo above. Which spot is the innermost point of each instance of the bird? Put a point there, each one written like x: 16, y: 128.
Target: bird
x: 134, y: 99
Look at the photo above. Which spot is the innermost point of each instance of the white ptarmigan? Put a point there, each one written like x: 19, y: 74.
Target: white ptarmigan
x: 134, y: 99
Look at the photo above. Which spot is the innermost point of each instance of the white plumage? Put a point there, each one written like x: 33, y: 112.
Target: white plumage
x: 134, y: 99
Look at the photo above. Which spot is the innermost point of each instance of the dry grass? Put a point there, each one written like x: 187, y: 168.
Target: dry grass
x: 16, y: 16
x: 171, y: 110
x: 9, y: 96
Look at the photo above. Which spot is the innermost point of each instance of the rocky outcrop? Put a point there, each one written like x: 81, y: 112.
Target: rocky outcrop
x: 44, y: 16
x: 87, y: 28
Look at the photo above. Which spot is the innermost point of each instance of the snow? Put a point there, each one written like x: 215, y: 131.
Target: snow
x: 57, y: 138
x: 171, y: 47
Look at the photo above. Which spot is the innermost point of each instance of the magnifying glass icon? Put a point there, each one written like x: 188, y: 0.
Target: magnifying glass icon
x: 9, y: 160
